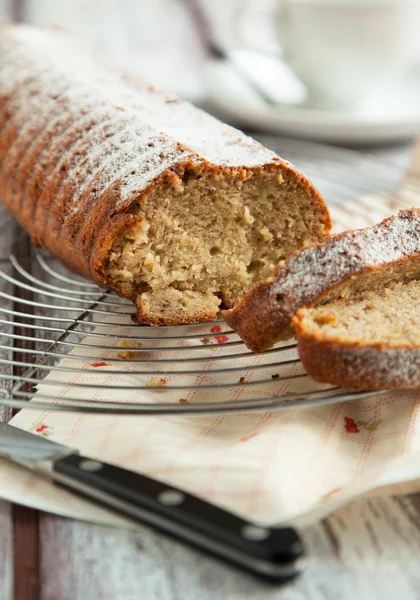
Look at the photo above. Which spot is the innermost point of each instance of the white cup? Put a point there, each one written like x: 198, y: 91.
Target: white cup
x: 345, y: 50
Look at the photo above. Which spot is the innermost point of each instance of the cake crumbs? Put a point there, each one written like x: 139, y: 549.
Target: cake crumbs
x: 242, y: 379
x: 275, y: 376
x: 128, y: 353
x: 158, y: 381
x: 183, y: 401
x: 206, y: 340
x: 128, y: 344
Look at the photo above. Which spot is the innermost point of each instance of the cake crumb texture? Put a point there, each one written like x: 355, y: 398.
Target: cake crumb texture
x: 373, y: 341
x: 340, y: 266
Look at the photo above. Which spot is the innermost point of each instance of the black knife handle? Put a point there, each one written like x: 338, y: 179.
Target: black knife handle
x: 274, y: 553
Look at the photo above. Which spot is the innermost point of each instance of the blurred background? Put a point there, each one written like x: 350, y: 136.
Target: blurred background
x: 157, y: 38
x: 338, y: 71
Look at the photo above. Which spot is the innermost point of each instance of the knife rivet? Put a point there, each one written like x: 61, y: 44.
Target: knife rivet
x: 253, y: 533
x: 171, y: 497
x: 91, y: 466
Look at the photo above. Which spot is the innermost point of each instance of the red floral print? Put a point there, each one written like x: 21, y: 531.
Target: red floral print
x: 350, y: 425
x: 42, y: 429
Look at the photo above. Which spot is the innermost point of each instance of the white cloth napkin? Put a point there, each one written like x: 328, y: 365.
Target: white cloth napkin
x: 272, y: 467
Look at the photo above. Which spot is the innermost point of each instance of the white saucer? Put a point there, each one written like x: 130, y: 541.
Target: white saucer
x: 394, y: 117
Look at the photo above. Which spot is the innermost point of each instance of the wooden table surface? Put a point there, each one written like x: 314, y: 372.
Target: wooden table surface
x: 367, y: 550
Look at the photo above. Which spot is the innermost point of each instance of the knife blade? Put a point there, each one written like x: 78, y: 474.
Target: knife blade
x: 272, y: 553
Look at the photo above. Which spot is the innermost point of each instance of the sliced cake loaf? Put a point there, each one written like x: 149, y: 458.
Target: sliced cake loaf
x: 341, y: 267
x: 140, y: 190
x: 370, y: 340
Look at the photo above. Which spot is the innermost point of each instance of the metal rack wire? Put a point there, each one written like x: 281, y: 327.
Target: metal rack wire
x: 55, y: 326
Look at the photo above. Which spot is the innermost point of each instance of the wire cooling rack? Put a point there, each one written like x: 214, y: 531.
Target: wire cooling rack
x: 57, y: 330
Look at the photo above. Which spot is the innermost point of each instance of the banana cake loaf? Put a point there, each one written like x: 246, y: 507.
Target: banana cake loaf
x: 340, y: 267
x: 137, y: 189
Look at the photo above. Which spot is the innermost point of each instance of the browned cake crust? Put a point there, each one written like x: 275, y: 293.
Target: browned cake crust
x: 372, y: 367
x: 345, y: 263
x: 84, y: 147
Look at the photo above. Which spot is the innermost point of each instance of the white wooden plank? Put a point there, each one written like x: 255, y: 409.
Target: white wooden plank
x: 375, y: 556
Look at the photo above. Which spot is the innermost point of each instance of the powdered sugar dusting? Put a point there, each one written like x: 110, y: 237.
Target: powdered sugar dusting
x: 314, y: 270
x: 59, y: 69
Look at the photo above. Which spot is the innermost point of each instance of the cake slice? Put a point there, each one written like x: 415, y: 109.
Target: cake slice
x: 370, y: 340
x: 139, y: 190
x: 342, y: 266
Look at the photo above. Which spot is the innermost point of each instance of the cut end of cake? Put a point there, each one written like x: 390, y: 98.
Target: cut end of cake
x: 388, y: 316
x: 207, y: 235
x: 370, y: 340
x: 342, y: 266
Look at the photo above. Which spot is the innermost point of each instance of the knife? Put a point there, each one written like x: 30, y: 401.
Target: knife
x: 271, y: 553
